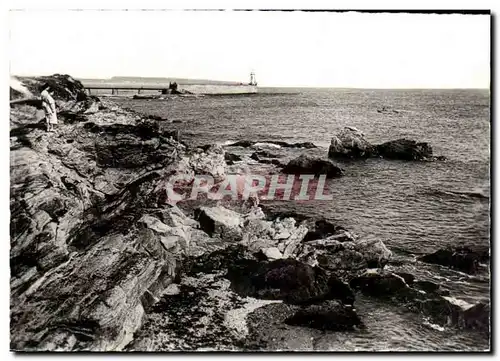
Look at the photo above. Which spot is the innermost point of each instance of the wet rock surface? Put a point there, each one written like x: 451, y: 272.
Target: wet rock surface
x: 464, y: 258
x: 309, y: 165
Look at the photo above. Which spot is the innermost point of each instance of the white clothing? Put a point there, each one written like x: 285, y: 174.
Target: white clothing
x: 49, y: 106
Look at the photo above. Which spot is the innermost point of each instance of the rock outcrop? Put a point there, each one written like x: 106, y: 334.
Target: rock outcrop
x: 93, y: 241
x: 405, y: 149
x: 350, y: 143
x: 309, y: 165
x: 465, y: 259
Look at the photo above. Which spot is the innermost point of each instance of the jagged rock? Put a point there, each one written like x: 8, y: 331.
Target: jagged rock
x: 280, y: 233
x: 464, y: 258
x: 405, y: 149
x: 350, y: 143
x: 328, y: 315
x: 323, y: 229
x: 64, y: 87
x: 208, y: 161
x: 92, y: 241
x: 288, y: 280
x: 220, y: 221
x: 345, y: 258
x: 317, y: 166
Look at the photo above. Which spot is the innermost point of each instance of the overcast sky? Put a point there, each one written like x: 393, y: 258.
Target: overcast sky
x: 283, y: 48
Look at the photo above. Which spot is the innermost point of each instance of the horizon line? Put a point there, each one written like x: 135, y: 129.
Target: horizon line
x: 267, y: 86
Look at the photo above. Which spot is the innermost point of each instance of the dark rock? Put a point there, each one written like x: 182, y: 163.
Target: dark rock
x: 321, y: 229
x: 440, y: 310
x: 156, y: 117
x: 408, y: 277
x: 273, y: 161
x: 307, y: 145
x: 228, y: 258
x: 255, y: 156
x: 288, y: 280
x: 477, y: 317
x: 378, y: 284
x: 262, y: 154
x: 350, y: 143
x: 462, y: 258
x: 249, y: 143
x: 243, y: 143
x: 230, y: 158
x: 62, y: 86
x: 328, y: 315
x: 317, y: 166
x: 405, y: 149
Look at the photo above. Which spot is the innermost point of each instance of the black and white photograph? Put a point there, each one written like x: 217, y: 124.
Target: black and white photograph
x: 260, y: 180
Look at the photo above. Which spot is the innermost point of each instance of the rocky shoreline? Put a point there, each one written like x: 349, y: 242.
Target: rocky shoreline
x: 101, y: 261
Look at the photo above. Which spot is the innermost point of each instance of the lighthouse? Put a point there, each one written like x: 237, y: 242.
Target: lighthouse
x: 252, y: 79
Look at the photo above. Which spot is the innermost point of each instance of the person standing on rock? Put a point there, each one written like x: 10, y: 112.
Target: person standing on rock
x: 49, y: 106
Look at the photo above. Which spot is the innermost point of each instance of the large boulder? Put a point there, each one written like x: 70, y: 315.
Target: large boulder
x: 477, y: 317
x: 288, y: 280
x: 209, y: 160
x: 350, y: 143
x: 282, y: 234
x: 378, y: 284
x: 405, y: 149
x: 463, y: 258
x: 345, y: 257
x: 220, y: 221
x: 309, y: 165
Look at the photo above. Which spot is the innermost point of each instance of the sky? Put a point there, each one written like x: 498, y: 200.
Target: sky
x: 357, y: 50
